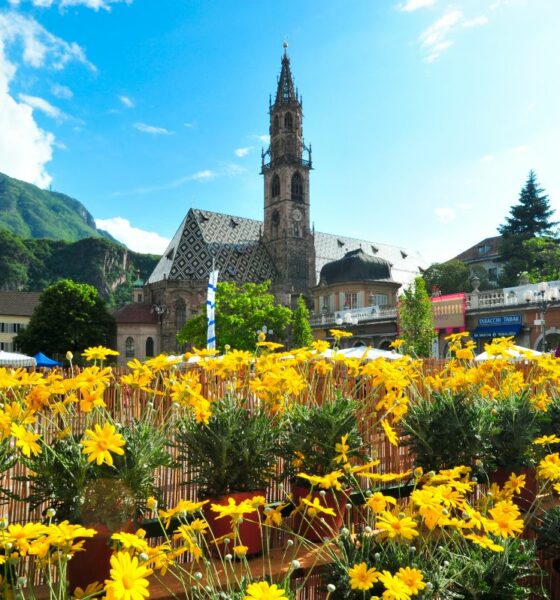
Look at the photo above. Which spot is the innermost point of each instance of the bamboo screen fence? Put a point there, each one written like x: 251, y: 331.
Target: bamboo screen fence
x: 125, y: 404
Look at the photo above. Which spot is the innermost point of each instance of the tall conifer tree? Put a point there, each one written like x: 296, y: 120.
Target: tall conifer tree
x: 527, y: 220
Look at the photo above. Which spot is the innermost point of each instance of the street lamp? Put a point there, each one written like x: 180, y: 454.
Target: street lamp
x: 543, y: 297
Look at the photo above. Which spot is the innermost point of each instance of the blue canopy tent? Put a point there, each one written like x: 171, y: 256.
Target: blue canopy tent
x: 45, y: 361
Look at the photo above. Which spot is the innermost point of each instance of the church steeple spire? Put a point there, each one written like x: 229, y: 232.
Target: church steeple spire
x: 285, y: 93
x: 285, y: 167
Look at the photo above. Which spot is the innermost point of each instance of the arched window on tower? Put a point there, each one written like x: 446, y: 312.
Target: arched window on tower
x: 276, y: 125
x: 275, y: 186
x: 288, y: 121
x: 129, y: 347
x: 149, y: 347
x: 297, y: 187
x: 180, y: 313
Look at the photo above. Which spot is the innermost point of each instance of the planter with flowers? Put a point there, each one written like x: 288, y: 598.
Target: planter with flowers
x: 101, y: 480
x: 231, y: 458
x: 320, y: 443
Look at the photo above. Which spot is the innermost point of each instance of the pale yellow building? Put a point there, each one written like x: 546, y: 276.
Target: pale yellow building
x: 16, y: 309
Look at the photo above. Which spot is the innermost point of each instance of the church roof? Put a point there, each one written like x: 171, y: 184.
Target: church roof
x: 239, y: 254
x: 233, y: 243
x: 285, y: 93
x: 136, y: 312
x: 405, y: 262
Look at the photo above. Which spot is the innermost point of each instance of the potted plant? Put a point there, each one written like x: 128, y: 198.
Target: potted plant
x: 319, y: 443
x: 230, y: 459
x: 548, y: 537
x: 447, y: 429
x: 515, y: 425
x: 108, y: 494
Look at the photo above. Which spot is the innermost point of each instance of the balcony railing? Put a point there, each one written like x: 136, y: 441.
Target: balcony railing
x: 287, y: 159
x: 353, y: 316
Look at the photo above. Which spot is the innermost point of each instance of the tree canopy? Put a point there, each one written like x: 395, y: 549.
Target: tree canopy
x: 529, y: 219
x: 454, y: 276
x: 416, y: 319
x: 69, y: 316
x: 241, y: 311
x: 301, y: 330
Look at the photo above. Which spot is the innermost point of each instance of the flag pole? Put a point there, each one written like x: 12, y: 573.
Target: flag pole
x: 210, y: 308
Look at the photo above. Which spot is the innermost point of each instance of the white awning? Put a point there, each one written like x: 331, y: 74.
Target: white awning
x: 13, y: 359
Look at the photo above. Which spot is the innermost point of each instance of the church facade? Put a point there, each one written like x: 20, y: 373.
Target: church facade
x: 283, y: 248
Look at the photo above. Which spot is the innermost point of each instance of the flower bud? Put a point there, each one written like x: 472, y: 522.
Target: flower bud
x: 296, y: 564
x: 69, y: 356
x: 228, y: 557
x: 331, y: 588
x: 198, y: 575
x: 143, y: 557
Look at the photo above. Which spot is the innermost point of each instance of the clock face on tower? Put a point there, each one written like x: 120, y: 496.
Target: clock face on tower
x: 297, y: 214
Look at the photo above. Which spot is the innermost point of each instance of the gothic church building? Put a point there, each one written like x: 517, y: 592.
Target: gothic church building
x: 283, y: 247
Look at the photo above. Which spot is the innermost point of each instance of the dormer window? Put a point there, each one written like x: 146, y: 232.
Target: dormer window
x: 484, y: 249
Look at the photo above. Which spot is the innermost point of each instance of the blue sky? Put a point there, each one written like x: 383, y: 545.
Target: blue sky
x: 425, y: 116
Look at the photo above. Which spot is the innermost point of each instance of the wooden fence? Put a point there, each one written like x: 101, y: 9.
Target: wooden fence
x: 125, y: 403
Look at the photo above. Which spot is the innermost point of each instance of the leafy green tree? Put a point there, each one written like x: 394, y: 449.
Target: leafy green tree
x: 543, y: 254
x: 528, y: 219
x: 241, y: 311
x: 301, y: 330
x: 454, y: 276
x: 69, y: 316
x: 416, y: 319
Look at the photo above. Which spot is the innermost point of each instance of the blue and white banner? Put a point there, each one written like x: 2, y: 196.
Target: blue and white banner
x: 210, y: 307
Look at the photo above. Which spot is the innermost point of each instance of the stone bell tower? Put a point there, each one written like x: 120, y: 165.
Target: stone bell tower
x: 285, y: 167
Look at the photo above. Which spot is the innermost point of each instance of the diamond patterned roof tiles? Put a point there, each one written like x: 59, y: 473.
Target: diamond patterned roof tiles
x: 235, y: 244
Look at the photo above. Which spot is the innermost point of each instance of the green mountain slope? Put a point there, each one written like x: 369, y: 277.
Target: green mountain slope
x: 30, y: 212
x: 33, y: 264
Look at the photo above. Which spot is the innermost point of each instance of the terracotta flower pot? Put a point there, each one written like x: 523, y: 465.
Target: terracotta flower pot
x: 93, y: 562
x: 528, y: 494
x: 249, y: 531
x: 316, y: 528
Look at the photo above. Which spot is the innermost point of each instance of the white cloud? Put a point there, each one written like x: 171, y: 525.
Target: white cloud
x: 521, y: 149
x: 464, y: 206
x: 93, y: 4
x: 25, y: 148
x: 61, y: 91
x: 438, y: 37
x: 241, y: 152
x: 476, y: 22
x: 138, y: 240
x: 40, y: 47
x: 190, y: 125
x: 412, y: 5
x: 263, y: 139
x: 202, y: 175
x: 488, y: 158
x: 43, y: 105
x: 445, y: 214
x: 126, y: 101
x: 151, y: 129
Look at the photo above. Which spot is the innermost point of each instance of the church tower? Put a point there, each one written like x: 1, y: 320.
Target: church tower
x: 285, y: 166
